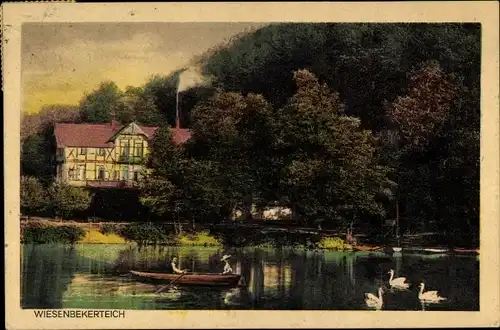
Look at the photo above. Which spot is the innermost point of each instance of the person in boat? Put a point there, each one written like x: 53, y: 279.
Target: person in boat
x: 174, y: 268
x: 227, y: 267
x: 350, y: 238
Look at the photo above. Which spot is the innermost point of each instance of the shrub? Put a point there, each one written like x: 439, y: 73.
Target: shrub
x: 146, y: 233
x: 34, y: 199
x: 38, y: 233
x: 109, y: 228
x: 333, y: 243
x: 199, y: 239
x: 67, y: 200
x: 96, y: 237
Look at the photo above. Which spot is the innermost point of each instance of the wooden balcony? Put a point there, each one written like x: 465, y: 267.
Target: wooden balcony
x: 112, y: 184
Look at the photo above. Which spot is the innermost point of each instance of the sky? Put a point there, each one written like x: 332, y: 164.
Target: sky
x: 63, y: 61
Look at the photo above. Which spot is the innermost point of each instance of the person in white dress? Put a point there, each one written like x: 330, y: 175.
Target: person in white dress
x: 227, y: 267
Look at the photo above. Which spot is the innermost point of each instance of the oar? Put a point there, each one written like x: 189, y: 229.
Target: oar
x: 169, y: 284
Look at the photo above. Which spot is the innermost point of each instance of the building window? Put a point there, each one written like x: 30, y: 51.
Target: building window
x: 116, y: 175
x: 100, y: 151
x: 125, y: 173
x: 138, y: 150
x: 101, y: 173
x: 72, y: 174
x: 136, y: 176
x: 125, y: 148
x: 81, y: 172
x: 83, y: 151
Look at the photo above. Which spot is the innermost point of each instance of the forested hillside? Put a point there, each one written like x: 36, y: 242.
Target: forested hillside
x: 415, y: 89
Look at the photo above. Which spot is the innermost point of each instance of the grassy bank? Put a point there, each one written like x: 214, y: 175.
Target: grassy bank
x: 41, y: 232
x: 324, y: 243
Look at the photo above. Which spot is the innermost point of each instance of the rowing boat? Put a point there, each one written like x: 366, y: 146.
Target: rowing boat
x: 366, y: 248
x: 433, y: 250
x: 460, y: 250
x: 208, y: 279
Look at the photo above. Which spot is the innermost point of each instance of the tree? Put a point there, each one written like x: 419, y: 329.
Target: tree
x: 58, y: 113
x: 427, y: 105
x: 37, y: 123
x: 420, y: 146
x: 179, y: 186
x: 98, y: 106
x: 156, y: 194
x: 67, y: 200
x: 162, y: 91
x: 136, y: 105
x: 160, y: 185
x: 34, y: 158
x: 233, y: 132
x: 34, y: 197
x: 37, y: 138
x: 329, y: 167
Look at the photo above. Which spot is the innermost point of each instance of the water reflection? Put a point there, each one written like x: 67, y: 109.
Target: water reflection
x: 88, y: 276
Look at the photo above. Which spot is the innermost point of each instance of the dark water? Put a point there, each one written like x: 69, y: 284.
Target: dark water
x: 95, y: 276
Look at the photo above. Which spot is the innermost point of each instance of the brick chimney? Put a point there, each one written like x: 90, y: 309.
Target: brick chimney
x: 114, y: 124
x: 177, y: 115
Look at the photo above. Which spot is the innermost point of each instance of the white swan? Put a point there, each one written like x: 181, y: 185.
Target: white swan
x: 399, y: 282
x: 429, y: 296
x: 374, y: 301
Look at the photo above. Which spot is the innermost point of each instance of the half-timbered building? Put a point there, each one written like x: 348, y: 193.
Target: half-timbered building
x: 105, y: 155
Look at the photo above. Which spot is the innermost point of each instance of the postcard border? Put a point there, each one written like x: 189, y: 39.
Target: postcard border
x: 486, y: 13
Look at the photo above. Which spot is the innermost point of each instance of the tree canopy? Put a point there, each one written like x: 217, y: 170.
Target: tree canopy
x: 318, y: 117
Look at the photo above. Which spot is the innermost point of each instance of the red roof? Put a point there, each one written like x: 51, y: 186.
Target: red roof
x: 98, y: 135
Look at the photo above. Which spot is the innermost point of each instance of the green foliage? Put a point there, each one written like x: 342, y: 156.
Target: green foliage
x: 266, y: 135
x: 137, y: 105
x: 333, y: 243
x: 109, y: 228
x: 157, y: 191
x: 98, y: 106
x: 425, y: 107
x: 365, y: 63
x: 37, y: 138
x: 232, y: 131
x: 434, y: 153
x: 67, y: 200
x: 156, y: 194
x: 39, y: 233
x: 147, y: 233
x: 161, y: 90
x: 35, y: 158
x: 34, y: 198
x: 330, y: 171
x: 198, y: 239
x: 177, y: 185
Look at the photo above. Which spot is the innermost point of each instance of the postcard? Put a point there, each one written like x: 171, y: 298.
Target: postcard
x: 251, y: 165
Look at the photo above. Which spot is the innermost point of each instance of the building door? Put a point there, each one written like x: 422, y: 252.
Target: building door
x: 100, y: 173
x: 81, y: 172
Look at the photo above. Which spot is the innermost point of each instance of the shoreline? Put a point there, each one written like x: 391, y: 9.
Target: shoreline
x: 112, y: 233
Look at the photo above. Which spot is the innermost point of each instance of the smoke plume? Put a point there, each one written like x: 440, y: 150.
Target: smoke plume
x: 190, y: 78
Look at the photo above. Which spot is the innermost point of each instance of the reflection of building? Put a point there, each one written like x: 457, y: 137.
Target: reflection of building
x: 275, y: 276
x: 104, y: 155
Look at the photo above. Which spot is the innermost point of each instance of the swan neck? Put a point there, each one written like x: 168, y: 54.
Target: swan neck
x: 392, y: 275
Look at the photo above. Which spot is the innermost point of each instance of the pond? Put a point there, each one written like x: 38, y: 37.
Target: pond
x: 97, y: 276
